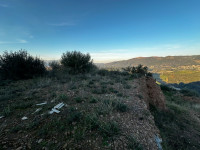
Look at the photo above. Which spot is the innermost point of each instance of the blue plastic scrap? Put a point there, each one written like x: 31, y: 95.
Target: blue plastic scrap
x: 158, y: 142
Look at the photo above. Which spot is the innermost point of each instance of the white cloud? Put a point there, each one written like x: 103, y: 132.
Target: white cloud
x: 18, y: 41
x: 21, y: 41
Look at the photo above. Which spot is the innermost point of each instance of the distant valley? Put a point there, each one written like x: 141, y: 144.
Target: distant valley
x: 172, y: 69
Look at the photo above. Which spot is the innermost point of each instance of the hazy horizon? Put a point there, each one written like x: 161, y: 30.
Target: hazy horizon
x: 110, y: 30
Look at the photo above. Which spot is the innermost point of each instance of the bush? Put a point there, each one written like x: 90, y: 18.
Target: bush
x: 140, y: 69
x: 20, y: 65
x: 55, y: 69
x: 54, y: 65
x: 77, y: 62
x: 188, y: 92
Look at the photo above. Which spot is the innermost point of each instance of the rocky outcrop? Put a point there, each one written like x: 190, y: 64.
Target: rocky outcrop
x: 152, y: 93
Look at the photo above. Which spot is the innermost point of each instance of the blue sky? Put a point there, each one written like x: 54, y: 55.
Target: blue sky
x: 108, y: 29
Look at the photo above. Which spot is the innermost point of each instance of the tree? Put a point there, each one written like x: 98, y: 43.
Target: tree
x: 20, y: 65
x: 77, y: 62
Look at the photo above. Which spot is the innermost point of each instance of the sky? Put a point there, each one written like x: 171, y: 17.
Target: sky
x: 109, y: 30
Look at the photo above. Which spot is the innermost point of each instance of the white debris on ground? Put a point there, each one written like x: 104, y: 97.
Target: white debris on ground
x: 1, y: 117
x: 24, y: 118
x: 55, y: 108
x: 37, y: 110
x: 41, y: 104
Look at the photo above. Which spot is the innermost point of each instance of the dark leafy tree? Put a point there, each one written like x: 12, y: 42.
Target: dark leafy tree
x: 20, y: 65
x: 77, y: 62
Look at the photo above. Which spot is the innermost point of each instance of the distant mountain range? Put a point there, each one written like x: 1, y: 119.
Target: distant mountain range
x: 155, y: 63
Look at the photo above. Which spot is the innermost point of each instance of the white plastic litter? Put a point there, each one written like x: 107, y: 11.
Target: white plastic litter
x: 54, y: 109
x: 37, y: 110
x: 1, y: 117
x: 24, y: 118
x: 158, y: 141
x: 41, y: 104
x: 60, y: 105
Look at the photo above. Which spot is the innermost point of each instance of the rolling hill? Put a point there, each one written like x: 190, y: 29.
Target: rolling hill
x: 158, y: 63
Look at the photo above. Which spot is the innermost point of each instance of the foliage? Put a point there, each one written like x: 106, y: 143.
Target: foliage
x: 77, y: 62
x: 20, y: 65
x: 140, y: 69
x: 54, y: 65
x: 188, y: 92
x: 178, y: 129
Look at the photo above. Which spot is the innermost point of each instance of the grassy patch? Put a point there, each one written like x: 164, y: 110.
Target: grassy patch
x: 178, y: 129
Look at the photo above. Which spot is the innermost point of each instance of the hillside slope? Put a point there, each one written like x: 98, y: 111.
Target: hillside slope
x: 157, y: 62
x: 99, y: 112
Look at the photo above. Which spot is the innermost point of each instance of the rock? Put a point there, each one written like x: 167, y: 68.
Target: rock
x: 152, y: 93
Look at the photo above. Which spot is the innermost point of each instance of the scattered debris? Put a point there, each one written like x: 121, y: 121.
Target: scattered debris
x: 60, y: 105
x: 1, y: 117
x: 40, y: 140
x: 37, y: 110
x: 24, y: 118
x: 54, y: 109
x: 158, y: 141
x: 41, y: 104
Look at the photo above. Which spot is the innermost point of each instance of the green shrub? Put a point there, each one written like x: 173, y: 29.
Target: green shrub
x: 165, y: 88
x: 20, y: 65
x: 121, y: 107
x: 78, y: 99
x: 77, y: 62
x: 140, y: 69
x: 54, y: 65
x: 109, y: 129
x: 103, y: 72
x: 187, y: 92
x: 93, y: 100
x: 73, y: 116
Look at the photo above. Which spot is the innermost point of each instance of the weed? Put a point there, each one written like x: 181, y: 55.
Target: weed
x: 73, y: 116
x: 139, y: 96
x: 121, y: 107
x: 16, y: 128
x: 7, y: 111
x: 78, y: 99
x: 133, y: 144
x: 91, y: 82
x: 63, y: 97
x: 93, y: 100
x: 22, y: 105
x: 120, y: 94
x: 79, y: 133
x: 109, y: 129
x: 111, y: 89
x: 92, y: 121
